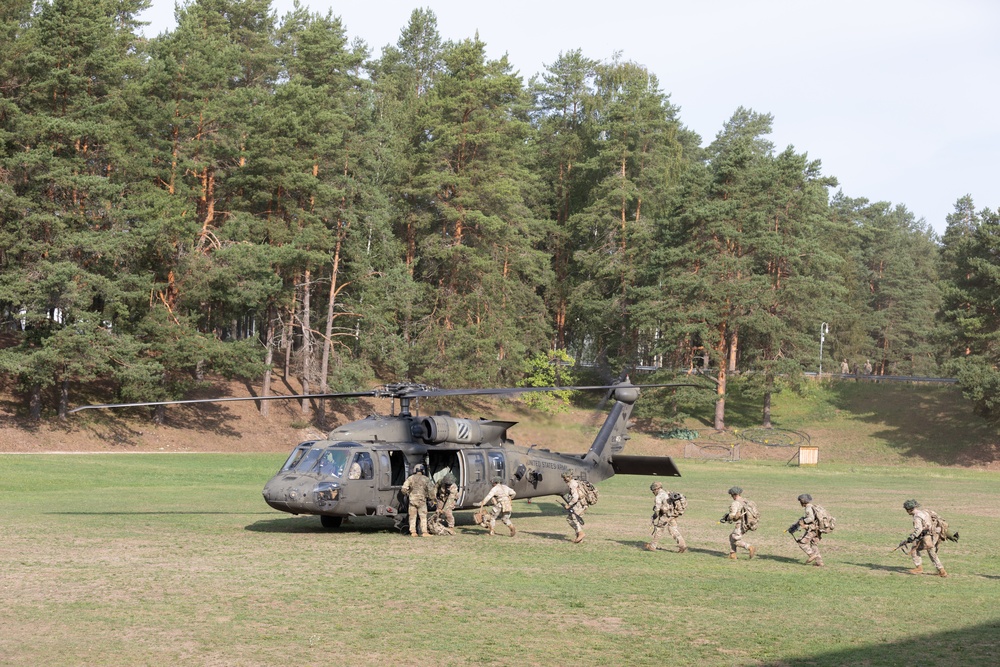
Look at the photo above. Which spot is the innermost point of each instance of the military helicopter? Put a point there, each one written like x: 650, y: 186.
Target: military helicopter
x: 359, y: 469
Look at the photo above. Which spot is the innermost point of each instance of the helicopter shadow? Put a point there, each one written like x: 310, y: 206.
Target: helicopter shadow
x: 311, y: 525
x: 545, y: 509
x: 163, y: 513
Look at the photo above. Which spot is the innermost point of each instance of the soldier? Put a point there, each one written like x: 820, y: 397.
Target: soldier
x: 418, y: 489
x: 925, y: 537
x: 844, y: 367
x: 868, y: 367
x: 809, y: 542
x: 737, y: 515
x: 501, y: 495
x: 575, y: 506
x: 664, y: 518
x: 447, y: 496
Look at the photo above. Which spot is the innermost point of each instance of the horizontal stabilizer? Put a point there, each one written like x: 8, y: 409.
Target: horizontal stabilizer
x: 661, y: 466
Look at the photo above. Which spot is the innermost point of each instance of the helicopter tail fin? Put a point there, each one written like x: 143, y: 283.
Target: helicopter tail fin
x: 614, y: 432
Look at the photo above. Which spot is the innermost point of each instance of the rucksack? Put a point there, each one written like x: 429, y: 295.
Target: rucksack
x: 676, y: 504
x: 824, y: 521
x: 587, y: 491
x: 751, y: 515
x: 940, y: 522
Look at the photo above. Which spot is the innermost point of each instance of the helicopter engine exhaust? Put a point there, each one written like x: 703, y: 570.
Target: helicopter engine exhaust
x: 442, y: 428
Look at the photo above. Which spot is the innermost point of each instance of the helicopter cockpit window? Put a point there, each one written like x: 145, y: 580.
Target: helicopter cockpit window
x: 496, y: 465
x: 307, y: 461
x: 296, y: 456
x: 362, y: 467
x: 331, y: 462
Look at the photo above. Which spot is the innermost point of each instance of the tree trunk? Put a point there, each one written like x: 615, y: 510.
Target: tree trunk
x: 268, y: 360
x: 307, y: 347
x: 35, y: 402
x: 767, y: 410
x: 733, y: 345
x: 63, y: 399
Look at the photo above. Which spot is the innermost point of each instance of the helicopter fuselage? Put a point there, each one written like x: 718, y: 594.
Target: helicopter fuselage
x: 359, y: 469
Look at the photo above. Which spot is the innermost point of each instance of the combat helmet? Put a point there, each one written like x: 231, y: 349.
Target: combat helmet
x: 805, y: 498
x: 654, y: 486
x: 419, y: 468
x: 497, y: 480
x: 910, y: 505
x: 449, y: 479
x: 567, y: 476
x: 735, y: 490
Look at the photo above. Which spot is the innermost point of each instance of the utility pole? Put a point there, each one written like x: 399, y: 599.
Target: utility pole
x: 823, y: 330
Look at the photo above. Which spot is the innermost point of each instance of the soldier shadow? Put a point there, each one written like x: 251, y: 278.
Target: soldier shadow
x: 898, y: 569
x: 549, y: 536
x: 779, y: 559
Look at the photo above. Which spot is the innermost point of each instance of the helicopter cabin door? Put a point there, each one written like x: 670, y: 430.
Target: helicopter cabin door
x: 361, y: 479
x: 479, y: 468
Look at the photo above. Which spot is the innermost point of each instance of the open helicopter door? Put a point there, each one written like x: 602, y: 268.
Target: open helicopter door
x: 479, y: 467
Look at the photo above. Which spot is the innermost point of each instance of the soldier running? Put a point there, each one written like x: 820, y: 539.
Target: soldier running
x: 737, y: 516
x: 501, y: 495
x: 925, y: 537
x: 664, y: 519
x: 575, y: 506
x: 809, y: 542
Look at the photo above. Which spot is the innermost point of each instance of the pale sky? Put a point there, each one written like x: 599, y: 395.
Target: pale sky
x: 899, y: 99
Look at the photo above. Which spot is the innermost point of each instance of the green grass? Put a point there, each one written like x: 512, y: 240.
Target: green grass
x: 175, y: 559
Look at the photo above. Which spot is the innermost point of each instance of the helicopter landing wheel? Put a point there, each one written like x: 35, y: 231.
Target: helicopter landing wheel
x: 331, y: 521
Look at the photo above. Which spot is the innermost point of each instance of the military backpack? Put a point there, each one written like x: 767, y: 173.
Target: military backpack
x: 824, y: 522
x: 940, y: 522
x: 676, y: 504
x: 587, y: 492
x: 751, y: 515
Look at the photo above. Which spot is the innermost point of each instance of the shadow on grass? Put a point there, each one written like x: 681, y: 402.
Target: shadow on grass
x: 932, y: 423
x: 901, y: 568
x: 562, y: 537
x: 974, y: 645
x: 311, y: 524
x: 167, y: 513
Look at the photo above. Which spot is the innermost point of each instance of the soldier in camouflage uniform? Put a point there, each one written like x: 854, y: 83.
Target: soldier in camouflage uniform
x: 501, y: 495
x: 664, y: 519
x: 809, y: 522
x: 575, y: 506
x: 735, y: 516
x: 447, y: 496
x: 925, y: 537
x: 418, y: 488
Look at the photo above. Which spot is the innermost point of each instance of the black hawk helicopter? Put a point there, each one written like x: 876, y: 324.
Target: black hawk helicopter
x: 359, y: 469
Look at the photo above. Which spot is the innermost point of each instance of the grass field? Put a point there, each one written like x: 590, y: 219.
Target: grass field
x: 175, y: 559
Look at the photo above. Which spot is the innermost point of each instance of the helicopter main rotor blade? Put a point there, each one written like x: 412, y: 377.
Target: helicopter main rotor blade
x: 422, y: 393
x: 273, y: 397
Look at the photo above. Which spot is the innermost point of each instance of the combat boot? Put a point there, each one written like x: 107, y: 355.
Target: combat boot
x: 579, y: 537
x: 917, y: 570
x: 681, y: 550
x: 412, y: 534
x: 818, y: 563
x: 491, y: 532
x: 649, y: 546
x: 732, y: 555
x: 513, y: 530
x: 753, y: 550
x: 942, y: 573
x: 811, y: 558
x: 451, y: 531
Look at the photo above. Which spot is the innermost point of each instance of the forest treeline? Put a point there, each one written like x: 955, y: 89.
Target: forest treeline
x: 247, y: 194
